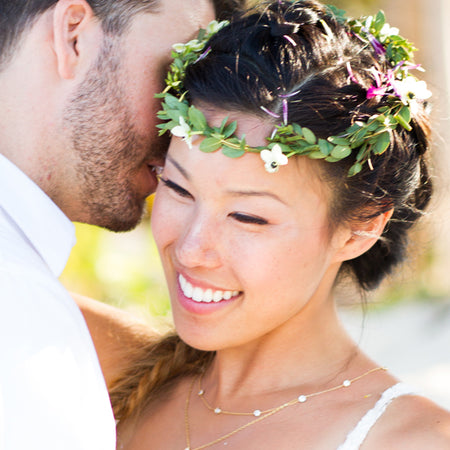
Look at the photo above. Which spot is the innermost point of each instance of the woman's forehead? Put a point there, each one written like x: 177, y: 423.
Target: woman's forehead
x: 218, y: 175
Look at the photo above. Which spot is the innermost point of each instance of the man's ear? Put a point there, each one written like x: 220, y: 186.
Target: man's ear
x: 361, y: 236
x: 71, y: 18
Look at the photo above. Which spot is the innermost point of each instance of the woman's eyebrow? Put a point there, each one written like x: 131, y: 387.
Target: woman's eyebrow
x: 252, y: 193
x: 178, y: 166
x: 232, y: 192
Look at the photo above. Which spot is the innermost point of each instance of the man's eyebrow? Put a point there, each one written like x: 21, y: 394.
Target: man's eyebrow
x: 179, y: 167
x: 251, y: 193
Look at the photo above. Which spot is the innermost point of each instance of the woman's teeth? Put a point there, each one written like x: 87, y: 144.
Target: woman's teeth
x: 204, y: 295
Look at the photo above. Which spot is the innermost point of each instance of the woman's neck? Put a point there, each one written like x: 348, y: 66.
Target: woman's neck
x: 307, y: 352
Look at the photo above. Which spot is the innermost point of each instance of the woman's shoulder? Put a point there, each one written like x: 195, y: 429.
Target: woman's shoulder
x: 411, y: 422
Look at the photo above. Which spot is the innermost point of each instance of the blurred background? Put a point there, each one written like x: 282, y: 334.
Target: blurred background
x: 406, y: 324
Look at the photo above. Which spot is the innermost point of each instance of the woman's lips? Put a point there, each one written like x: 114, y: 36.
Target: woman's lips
x: 202, y: 295
x: 201, y: 300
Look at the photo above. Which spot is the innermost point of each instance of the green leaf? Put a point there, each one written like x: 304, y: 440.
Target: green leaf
x: 373, y: 126
x: 243, y: 143
x: 341, y: 151
x: 167, y: 125
x: 178, y: 64
x: 339, y: 140
x: 317, y: 155
x: 358, y: 136
x: 361, y: 153
x: 403, y: 117
x: 382, y: 143
x: 234, y: 140
x: 355, y: 169
x: 222, y: 125
x: 339, y: 14
x: 310, y: 137
x: 379, y: 21
x: 325, y: 147
x: 197, y: 119
x: 354, y: 128
x: 284, y: 148
x: 162, y: 115
x: 297, y: 129
x: 232, y: 152
x: 201, y: 34
x: 171, y: 101
x: 209, y: 145
x: 390, y: 121
x: 174, y: 115
x: 230, y: 129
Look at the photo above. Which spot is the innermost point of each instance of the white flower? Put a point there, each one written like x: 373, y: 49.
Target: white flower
x: 411, y: 87
x: 213, y: 27
x: 183, y: 131
x: 179, y: 48
x: 195, y: 45
x: 273, y: 158
x: 387, y: 31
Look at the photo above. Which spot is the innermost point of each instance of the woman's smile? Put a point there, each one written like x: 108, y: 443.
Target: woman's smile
x: 202, y: 295
x: 200, y: 300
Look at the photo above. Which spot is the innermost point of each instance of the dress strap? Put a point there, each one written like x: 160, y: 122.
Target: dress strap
x: 357, y: 436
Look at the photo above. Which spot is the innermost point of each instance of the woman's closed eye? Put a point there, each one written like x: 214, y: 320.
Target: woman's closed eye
x: 176, y: 188
x: 245, y: 218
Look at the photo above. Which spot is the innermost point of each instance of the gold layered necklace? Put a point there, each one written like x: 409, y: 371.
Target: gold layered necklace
x: 258, y: 414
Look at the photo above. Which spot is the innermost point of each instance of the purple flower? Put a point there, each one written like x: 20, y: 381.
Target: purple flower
x: 351, y: 74
x: 288, y: 38
x: 204, y: 54
x: 375, y: 91
x: 271, y: 113
x: 285, y: 111
x: 376, y: 44
x: 291, y: 94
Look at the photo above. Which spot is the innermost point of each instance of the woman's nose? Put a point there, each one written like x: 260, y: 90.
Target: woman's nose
x: 198, y: 247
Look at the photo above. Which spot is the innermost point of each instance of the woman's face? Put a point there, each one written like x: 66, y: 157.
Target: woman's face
x: 244, y: 251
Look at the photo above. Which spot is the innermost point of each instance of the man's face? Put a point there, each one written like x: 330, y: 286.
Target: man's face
x: 112, y: 116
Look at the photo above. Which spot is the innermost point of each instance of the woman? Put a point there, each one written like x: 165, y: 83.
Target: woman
x: 254, y: 232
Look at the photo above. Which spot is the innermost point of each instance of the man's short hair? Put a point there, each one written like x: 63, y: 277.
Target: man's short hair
x: 16, y: 16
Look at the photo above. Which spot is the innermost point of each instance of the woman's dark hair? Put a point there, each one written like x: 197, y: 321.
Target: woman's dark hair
x: 287, y: 49
x: 250, y: 64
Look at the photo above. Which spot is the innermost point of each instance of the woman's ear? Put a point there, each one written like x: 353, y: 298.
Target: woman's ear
x: 361, y: 236
x: 71, y: 20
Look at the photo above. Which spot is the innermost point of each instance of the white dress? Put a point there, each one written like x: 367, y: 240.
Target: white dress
x: 357, y: 436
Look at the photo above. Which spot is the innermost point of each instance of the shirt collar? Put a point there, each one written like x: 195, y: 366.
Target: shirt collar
x: 47, y: 228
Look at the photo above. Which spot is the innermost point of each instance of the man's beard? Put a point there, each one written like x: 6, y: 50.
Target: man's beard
x: 107, y: 147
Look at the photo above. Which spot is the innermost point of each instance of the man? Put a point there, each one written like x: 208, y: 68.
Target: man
x: 77, y: 143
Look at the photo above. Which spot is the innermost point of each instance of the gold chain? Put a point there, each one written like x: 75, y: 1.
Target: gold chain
x: 260, y: 415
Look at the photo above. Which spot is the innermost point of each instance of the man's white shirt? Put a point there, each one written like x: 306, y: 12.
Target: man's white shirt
x: 52, y: 393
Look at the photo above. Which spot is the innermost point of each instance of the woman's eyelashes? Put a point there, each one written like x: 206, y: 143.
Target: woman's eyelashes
x: 240, y: 217
x: 245, y: 218
x: 176, y: 188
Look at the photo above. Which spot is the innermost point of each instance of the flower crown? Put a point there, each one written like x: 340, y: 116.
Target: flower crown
x: 364, y: 138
